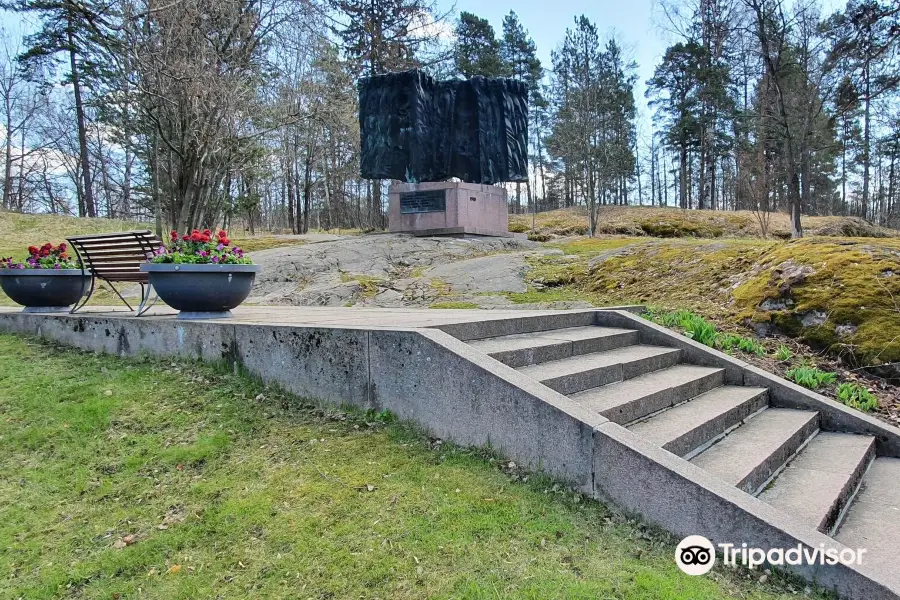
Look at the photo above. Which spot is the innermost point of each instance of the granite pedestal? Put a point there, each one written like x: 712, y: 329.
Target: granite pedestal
x: 449, y: 208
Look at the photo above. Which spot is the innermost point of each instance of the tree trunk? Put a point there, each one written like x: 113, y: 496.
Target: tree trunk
x: 89, y: 207
x: 7, y: 171
x: 866, y: 149
x: 307, y: 191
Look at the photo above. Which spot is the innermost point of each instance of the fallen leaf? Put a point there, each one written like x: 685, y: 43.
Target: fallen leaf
x: 107, y: 393
x: 119, y: 544
x: 174, y: 569
x: 370, y: 487
x: 130, y: 539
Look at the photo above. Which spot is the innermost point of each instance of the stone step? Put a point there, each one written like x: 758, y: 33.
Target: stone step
x: 577, y: 373
x: 816, y: 486
x: 529, y: 348
x: 689, y: 427
x: 626, y: 401
x: 752, y: 454
x: 873, y: 521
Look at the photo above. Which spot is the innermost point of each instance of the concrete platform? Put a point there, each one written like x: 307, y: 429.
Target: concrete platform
x: 322, y: 316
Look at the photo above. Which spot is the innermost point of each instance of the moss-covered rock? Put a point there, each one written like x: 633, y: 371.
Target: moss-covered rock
x: 837, y: 294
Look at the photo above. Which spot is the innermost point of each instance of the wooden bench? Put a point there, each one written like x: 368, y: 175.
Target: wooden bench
x: 116, y: 258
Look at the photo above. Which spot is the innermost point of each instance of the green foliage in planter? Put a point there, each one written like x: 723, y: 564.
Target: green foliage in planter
x: 201, y: 248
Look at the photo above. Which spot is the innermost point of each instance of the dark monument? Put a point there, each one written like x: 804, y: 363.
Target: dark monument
x: 423, y: 133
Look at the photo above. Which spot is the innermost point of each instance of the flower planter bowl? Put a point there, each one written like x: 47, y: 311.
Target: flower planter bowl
x: 201, y: 291
x: 45, y: 290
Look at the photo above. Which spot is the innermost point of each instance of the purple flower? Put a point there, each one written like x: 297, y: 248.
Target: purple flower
x: 215, y: 259
x: 220, y: 247
x: 56, y: 266
x: 204, y: 253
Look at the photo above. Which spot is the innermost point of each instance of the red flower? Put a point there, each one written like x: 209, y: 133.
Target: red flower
x: 174, y: 235
x: 62, y: 248
x: 224, y: 241
x: 48, y: 246
x: 186, y: 238
x: 204, y: 238
x: 32, y: 250
x: 195, y: 236
x: 45, y: 252
x: 207, y: 232
x: 222, y: 234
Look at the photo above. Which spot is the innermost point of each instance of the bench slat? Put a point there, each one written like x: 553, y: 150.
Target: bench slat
x: 117, y: 256
x: 144, y: 233
x: 115, y: 251
x: 116, y: 259
x: 123, y: 244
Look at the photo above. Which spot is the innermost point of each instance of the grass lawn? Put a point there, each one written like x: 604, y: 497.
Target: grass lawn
x: 147, y: 479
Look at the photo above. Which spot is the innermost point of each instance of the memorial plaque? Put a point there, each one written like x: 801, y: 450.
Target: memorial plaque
x: 423, y: 201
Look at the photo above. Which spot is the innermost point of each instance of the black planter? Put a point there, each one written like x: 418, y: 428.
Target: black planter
x: 202, y: 290
x: 43, y: 290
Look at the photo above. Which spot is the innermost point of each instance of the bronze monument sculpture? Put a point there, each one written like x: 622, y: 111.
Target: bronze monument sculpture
x: 424, y: 133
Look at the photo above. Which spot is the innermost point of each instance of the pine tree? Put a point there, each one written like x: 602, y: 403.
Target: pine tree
x: 864, y: 38
x: 477, y: 50
x: 77, y: 33
x: 675, y: 91
x: 519, y: 54
x: 380, y: 36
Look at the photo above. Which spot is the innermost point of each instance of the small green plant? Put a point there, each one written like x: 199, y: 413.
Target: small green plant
x: 694, y: 326
x: 700, y: 330
x: 810, y: 377
x: 784, y: 353
x: 857, y: 396
x: 729, y: 341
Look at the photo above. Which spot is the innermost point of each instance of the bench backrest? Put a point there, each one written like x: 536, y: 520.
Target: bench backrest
x: 116, y: 256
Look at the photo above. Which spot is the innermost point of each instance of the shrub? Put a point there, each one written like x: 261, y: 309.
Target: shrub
x: 856, y: 396
x: 201, y: 248
x: 810, y: 377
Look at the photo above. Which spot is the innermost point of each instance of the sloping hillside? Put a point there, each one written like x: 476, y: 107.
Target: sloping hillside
x: 676, y: 223
x: 841, y: 295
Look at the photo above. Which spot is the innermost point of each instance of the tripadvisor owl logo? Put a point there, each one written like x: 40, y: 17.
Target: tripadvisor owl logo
x: 695, y: 555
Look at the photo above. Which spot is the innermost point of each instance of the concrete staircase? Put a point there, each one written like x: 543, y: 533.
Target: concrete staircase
x: 830, y: 481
